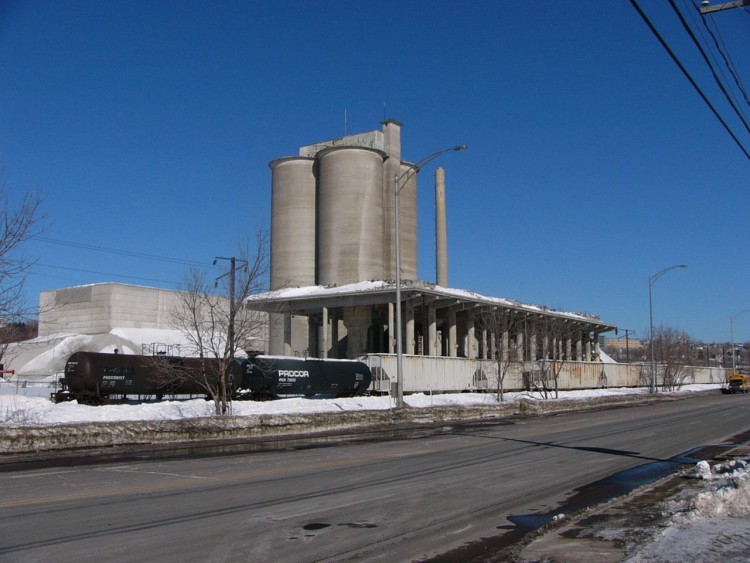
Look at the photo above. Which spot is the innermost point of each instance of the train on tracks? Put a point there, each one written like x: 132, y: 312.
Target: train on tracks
x: 99, y: 378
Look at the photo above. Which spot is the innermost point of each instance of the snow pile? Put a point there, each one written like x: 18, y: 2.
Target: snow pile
x: 729, y: 495
x: 46, y: 355
x: 709, y: 522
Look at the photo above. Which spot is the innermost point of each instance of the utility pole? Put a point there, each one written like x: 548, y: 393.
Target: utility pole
x: 229, y: 350
x: 232, y: 308
x: 627, y: 344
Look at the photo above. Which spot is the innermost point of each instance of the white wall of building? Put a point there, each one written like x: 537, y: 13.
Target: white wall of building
x: 98, y: 308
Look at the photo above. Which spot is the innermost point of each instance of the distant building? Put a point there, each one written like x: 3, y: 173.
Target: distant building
x: 99, y: 308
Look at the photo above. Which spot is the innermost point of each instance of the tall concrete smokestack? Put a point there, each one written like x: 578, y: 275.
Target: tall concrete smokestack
x: 441, y: 234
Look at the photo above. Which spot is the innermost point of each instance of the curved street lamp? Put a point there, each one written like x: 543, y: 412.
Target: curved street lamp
x: 401, y: 182
x: 651, y: 282
x: 731, y: 328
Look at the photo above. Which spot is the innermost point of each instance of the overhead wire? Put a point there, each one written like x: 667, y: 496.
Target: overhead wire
x: 125, y: 276
x: 707, y: 60
x: 706, y: 37
x: 108, y: 250
x: 724, y: 52
x: 130, y: 253
x: 677, y: 61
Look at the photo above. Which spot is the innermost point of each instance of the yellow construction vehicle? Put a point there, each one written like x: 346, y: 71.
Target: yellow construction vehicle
x: 738, y: 382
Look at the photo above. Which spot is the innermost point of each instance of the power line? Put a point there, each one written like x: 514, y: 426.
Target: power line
x: 130, y: 253
x: 706, y: 35
x: 687, y: 75
x: 723, y: 51
x: 106, y: 274
x: 710, y: 64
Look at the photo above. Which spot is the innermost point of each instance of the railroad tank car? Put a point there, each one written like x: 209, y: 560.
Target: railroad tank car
x: 95, y: 378
x: 276, y: 375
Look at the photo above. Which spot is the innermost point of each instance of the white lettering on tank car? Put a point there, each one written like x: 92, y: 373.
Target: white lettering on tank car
x: 293, y: 373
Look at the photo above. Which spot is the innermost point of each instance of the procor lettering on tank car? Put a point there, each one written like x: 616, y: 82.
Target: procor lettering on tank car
x: 97, y: 378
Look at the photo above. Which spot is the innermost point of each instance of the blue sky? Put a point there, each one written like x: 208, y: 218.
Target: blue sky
x: 592, y: 163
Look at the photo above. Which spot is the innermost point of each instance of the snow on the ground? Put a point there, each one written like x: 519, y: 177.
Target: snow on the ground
x: 20, y: 406
x: 710, y: 523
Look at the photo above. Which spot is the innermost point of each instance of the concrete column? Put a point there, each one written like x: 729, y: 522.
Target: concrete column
x: 471, y: 339
x: 519, y: 347
x: 287, y: 334
x: 579, y: 347
x: 597, y: 349
x: 493, y: 346
x: 409, y: 310
x: 569, y: 348
x: 532, y: 344
x: 357, y: 322
x: 431, y: 330
x: 391, y: 329
x: 452, y: 333
x: 324, y: 340
x: 506, y: 346
x: 587, y: 339
x: 484, y: 353
x: 276, y: 334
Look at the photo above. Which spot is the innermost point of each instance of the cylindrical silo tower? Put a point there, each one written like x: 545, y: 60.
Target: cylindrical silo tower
x: 292, y: 222
x: 350, y: 215
x: 391, y: 170
x: 408, y: 223
x: 292, y: 242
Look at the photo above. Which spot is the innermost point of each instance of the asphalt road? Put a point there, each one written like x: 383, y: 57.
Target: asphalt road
x: 390, y: 500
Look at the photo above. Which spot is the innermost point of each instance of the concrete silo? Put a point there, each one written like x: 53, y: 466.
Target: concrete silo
x: 292, y: 243
x: 350, y: 215
x: 292, y: 222
x: 408, y: 225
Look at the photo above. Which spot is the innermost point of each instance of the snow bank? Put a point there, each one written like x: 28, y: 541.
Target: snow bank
x: 709, y: 522
x: 21, y: 406
x: 729, y: 495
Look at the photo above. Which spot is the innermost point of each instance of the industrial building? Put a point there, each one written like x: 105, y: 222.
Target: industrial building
x: 333, y: 265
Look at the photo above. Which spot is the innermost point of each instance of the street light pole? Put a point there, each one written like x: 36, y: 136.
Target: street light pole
x: 401, y: 182
x: 731, y: 329
x: 651, y: 282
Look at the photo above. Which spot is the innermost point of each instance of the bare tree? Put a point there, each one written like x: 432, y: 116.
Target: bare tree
x: 19, y: 221
x: 553, y: 334
x: 500, y: 325
x: 212, y: 317
x: 673, y: 354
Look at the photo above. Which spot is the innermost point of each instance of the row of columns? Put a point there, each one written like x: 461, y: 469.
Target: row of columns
x: 578, y: 343
x: 462, y: 334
